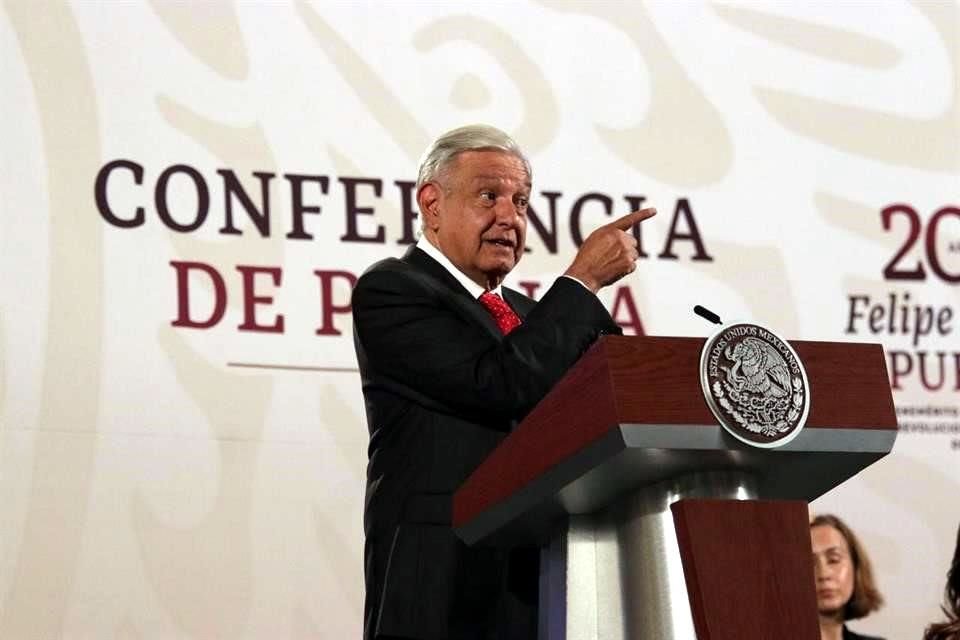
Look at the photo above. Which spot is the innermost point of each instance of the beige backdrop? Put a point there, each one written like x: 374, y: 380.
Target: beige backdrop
x: 150, y: 487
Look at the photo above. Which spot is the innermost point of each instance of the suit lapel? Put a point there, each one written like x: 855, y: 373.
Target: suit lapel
x: 459, y: 297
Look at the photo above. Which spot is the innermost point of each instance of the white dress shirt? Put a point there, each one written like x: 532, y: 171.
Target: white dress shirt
x: 475, y: 290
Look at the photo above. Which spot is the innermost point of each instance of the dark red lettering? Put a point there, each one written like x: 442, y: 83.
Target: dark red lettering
x: 232, y: 187
x: 901, y: 364
x: 956, y: 370
x: 100, y: 193
x: 184, y: 318
x: 683, y: 210
x: 547, y: 236
x: 297, y: 208
x: 327, y: 306
x: 922, y: 357
x: 251, y: 299
x: 933, y: 256
x: 891, y: 271
x: 352, y: 210
x: 575, y: 231
x: 623, y: 304
x: 408, y: 214
x: 199, y: 188
x: 529, y: 288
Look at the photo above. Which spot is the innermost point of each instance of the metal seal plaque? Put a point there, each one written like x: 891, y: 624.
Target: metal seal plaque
x: 755, y: 385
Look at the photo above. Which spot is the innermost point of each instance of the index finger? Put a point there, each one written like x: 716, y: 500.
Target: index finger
x: 626, y: 222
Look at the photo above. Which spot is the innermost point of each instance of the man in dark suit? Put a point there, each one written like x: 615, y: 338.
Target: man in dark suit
x: 450, y: 361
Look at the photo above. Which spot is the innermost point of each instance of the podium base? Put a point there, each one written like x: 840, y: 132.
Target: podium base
x: 617, y: 574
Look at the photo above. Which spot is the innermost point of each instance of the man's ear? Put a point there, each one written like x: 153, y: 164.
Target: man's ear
x: 428, y: 200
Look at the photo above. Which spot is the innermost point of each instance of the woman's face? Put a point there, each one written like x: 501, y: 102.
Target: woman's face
x: 832, y: 568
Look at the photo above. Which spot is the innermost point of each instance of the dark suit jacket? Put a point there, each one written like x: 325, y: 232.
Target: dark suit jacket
x: 852, y: 635
x: 442, y: 387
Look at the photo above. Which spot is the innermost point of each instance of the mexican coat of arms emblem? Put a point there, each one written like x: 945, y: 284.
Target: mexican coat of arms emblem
x: 755, y: 384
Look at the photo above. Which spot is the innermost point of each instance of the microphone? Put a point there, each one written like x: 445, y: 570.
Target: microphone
x: 706, y: 314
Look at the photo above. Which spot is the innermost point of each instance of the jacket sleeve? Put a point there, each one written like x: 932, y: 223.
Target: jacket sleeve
x: 412, y: 337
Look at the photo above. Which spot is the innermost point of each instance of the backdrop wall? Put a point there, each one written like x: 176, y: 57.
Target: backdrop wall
x: 188, y: 193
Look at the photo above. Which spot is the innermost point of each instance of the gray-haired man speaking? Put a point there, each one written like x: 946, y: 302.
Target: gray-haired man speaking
x: 450, y: 361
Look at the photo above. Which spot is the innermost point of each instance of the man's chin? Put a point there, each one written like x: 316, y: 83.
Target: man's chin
x: 496, y: 273
x: 500, y: 265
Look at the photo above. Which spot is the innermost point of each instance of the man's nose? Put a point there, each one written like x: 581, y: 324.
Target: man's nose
x: 506, y: 212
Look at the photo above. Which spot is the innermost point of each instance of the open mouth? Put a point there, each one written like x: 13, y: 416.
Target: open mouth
x: 501, y: 242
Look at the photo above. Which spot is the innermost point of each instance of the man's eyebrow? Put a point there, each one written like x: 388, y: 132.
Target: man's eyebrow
x: 492, y: 178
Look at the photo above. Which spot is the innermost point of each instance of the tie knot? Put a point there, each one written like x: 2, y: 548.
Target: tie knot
x: 502, y: 314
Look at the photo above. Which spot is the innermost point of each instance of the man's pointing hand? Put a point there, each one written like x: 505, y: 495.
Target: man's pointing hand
x: 609, y: 253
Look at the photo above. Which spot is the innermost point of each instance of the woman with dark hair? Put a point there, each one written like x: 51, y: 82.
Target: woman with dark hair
x: 949, y: 630
x: 844, y: 579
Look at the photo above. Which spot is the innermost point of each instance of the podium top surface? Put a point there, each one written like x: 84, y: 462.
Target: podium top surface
x: 631, y: 413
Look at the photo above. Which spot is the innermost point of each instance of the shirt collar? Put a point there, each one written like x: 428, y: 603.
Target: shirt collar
x: 472, y: 287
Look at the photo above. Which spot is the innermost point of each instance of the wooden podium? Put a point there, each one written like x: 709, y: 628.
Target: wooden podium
x: 655, y: 523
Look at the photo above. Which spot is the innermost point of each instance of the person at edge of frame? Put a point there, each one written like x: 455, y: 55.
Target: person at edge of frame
x: 846, y: 589
x: 950, y: 628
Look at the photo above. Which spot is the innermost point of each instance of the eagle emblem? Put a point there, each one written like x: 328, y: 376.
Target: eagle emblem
x: 755, y: 384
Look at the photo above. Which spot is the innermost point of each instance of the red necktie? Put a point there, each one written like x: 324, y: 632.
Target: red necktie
x: 504, y: 316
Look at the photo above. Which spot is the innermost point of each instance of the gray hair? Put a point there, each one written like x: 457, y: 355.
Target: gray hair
x: 473, y: 137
